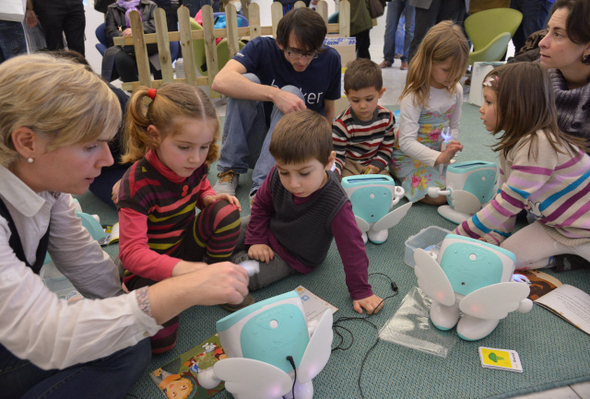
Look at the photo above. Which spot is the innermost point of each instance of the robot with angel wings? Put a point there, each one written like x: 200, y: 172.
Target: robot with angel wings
x: 272, y: 351
x: 472, y: 277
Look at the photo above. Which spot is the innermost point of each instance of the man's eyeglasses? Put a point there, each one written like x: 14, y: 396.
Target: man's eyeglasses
x: 298, y: 54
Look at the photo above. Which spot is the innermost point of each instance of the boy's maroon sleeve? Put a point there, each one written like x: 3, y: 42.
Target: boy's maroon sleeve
x: 352, y: 252
x: 260, y: 213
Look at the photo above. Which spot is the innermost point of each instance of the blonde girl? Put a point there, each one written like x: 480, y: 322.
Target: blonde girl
x: 171, y: 142
x: 430, y: 104
x: 542, y: 170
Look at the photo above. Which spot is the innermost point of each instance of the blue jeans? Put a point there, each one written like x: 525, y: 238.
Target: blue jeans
x: 12, y: 40
x: 534, y: 14
x: 107, y: 378
x: 399, y: 35
x: 246, y: 136
x: 394, y: 11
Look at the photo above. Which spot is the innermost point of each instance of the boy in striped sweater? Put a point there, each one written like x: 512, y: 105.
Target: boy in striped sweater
x: 542, y: 170
x: 363, y: 134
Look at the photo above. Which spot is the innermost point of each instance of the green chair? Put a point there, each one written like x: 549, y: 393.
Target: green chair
x: 199, y: 50
x: 490, y: 32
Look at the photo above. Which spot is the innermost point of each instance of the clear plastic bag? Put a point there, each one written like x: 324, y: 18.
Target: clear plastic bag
x: 410, y: 326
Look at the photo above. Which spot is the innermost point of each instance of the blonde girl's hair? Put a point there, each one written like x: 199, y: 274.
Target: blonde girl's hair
x: 172, y: 103
x: 525, y: 104
x: 56, y: 98
x: 442, y: 41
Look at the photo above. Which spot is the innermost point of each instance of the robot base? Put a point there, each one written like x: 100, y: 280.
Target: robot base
x: 449, y: 213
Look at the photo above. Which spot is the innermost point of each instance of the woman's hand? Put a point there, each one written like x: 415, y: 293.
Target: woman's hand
x: 184, y: 267
x: 261, y: 252
x: 211, y: 199
x: 127, y: 32
x: 445, y: 156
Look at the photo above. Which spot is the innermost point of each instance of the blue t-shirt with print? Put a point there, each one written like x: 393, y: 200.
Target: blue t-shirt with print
x: 318, y: 82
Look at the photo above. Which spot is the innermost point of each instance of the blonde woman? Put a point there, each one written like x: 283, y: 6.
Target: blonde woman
x: 56, y: 119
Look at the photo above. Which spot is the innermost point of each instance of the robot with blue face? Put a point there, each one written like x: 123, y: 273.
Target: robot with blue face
x: 472, y: 277
x: 470, y: 185
x: 272, y: 351
x: 372, y: 197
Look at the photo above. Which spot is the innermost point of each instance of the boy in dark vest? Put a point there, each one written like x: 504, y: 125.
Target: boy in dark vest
x: 300, y: 208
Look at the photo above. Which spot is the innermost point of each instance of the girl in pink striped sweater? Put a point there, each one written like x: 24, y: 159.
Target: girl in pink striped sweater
x: 541, y: 170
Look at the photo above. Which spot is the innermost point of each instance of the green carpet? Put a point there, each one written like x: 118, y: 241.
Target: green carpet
x: 553, y: 352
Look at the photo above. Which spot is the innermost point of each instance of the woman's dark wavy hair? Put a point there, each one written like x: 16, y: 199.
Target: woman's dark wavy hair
x: 578, y: 21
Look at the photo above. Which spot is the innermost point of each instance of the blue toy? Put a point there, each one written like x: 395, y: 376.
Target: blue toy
x: 470, y: 185
x: 259, y: 339
x: 472, y: 277
x: 372, y: 197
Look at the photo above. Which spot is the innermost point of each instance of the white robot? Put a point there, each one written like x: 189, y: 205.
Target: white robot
x: 372, y: 197
x: 473, y: 277
x: 470, y: 185
x: 271, y: 350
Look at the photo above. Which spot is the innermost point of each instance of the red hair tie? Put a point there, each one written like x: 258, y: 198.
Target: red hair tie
x: 151, y: 94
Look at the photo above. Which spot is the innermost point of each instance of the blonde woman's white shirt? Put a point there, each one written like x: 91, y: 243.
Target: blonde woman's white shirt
x: 34, y: 323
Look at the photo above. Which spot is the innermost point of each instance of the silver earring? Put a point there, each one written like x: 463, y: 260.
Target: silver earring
x: 30, y: 160
x: 586, y: 58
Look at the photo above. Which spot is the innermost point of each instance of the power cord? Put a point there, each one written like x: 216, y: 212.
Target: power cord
x: 290, y: 359
x: 337, y: 326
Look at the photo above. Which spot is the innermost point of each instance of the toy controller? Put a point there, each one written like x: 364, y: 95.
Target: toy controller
x: 252, y: 266
x: 372, y: 197
x: 475, y: 278
x: 470, y: 185
x: 265, y: 344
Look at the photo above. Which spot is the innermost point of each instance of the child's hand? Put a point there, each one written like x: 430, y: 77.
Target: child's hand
x: 372, y: 304
x: 371, y: 169
x: 211, y: 199
x: 261, y: 252
x: 445, y: 156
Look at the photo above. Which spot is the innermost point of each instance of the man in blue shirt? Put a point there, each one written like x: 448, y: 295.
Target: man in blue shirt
x: 267, y: 79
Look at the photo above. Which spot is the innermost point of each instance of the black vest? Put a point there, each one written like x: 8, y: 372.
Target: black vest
x: 17, y: 246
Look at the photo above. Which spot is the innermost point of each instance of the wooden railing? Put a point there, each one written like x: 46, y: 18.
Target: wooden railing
x: 186, y: 36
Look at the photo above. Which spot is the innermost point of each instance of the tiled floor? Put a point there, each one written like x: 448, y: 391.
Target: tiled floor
x: 394, y: 80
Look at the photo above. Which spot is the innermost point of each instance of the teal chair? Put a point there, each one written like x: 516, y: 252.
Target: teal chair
x: 490, y: 32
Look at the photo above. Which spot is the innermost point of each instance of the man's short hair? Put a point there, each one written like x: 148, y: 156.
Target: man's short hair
x: 307, y: 26
x: 362, y: 73
x: 301, y: 136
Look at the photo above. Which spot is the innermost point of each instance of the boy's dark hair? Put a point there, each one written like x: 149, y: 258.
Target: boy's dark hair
x: 307, y: 26
x: 301, y: 136
x: 363, y: 73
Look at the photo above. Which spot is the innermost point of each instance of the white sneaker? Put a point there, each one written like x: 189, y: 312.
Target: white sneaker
x: 227, y: 183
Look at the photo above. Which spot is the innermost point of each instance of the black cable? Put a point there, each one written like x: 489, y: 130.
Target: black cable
x: 290, y: 359
x: 336, y: 326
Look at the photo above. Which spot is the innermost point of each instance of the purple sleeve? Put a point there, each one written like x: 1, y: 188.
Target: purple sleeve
x: 260, y: 213
x: 352, y: 252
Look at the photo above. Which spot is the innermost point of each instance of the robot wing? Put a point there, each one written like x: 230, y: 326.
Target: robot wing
x: 392, y: 218
x: 362, y: 223
x: 495, y: 301
x: 432, y: 279
x: 252, y: 379
x: 465, y: 202
x: 318, y: 350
